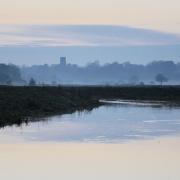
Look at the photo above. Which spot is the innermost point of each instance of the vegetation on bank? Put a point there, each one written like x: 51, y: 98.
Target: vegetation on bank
x: 19, y: 104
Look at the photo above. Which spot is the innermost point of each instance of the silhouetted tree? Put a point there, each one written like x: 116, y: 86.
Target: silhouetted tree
x: 134, y: 79
x: 161, y: 78
x: 9, y: 73
x: 95, y: 73
x: 9, y: 82
x: 141, y: 83
x: 32, y: 82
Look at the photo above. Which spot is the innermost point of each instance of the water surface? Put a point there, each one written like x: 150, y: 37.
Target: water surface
x: 111, y: 123
x: 88, y: 145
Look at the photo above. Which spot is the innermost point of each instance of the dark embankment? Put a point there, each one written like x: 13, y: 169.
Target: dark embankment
x: 18, y: 104
x: 170, y: 94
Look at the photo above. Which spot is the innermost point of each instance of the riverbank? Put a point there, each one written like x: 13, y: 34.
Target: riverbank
x: 21, y: 104
x: 157, y: 159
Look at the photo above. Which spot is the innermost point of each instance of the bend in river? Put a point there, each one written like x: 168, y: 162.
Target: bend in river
x: 110, y: 123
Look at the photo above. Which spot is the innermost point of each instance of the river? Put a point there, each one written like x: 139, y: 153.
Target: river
x: 111, y: 123
x: 119, y: 140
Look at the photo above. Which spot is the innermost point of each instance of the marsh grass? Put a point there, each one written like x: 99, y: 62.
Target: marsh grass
x: 19, y: 104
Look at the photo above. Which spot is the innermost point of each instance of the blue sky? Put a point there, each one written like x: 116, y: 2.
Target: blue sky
x: 83, y: 54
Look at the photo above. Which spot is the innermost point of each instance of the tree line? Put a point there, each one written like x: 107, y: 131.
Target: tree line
x: 156, y: 72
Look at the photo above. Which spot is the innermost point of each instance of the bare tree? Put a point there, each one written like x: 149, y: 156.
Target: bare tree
x: 161, y: 78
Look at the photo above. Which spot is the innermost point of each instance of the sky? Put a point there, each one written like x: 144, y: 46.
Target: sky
x: 85, y: 23
x: 82, y: 35
x: 161, y: 15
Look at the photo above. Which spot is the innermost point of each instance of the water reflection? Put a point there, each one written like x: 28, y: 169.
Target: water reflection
x: 108, y: 123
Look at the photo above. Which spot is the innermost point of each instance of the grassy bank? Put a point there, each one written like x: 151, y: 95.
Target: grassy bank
x: 18, y: 104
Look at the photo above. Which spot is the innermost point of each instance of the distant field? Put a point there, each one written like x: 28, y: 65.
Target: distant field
x: 19, y: 104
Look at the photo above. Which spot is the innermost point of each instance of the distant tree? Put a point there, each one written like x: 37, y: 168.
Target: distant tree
x: 9, y: 82
x: 9, y: 73
x: 141, y: 83
x: 161, y: 78
x: 134, y: 79
x: 32, y: 82
x: 93, y: 64
x: 4, y: 78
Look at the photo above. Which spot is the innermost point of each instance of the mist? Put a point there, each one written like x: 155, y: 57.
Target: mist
x: 81, y: 55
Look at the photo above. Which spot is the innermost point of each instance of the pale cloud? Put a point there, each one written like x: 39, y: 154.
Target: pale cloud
x: 82, y: 35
